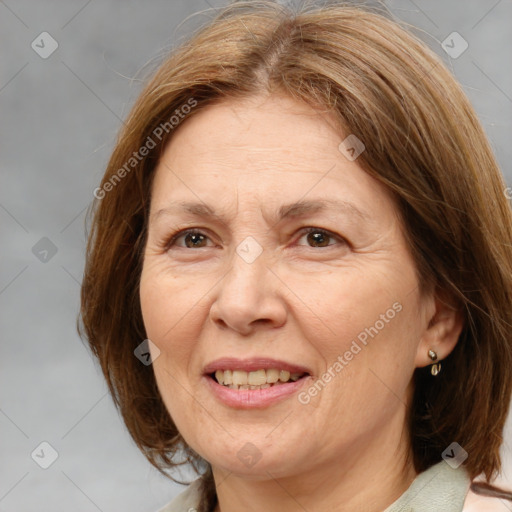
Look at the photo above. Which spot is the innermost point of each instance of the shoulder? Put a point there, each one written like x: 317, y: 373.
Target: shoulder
x: 478, y: 503
x: 186, y: 501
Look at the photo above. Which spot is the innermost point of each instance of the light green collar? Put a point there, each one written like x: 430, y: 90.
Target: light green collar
x: 438, y: 488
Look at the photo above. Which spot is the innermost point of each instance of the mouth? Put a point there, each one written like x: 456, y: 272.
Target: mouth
x: 258, y: 379
x: 254, y: 383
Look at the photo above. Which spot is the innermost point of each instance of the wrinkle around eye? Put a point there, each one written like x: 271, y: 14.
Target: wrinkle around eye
x: 173, y: 243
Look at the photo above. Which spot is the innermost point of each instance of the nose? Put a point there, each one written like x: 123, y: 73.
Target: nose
x: 249, y: 297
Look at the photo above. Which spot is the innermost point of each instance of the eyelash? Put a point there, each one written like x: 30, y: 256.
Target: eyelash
x: 305, y: 231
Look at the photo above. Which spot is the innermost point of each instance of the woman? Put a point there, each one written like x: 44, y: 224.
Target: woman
x: 299, y: 274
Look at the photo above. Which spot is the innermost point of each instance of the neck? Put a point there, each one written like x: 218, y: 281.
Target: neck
x: 368, y: 478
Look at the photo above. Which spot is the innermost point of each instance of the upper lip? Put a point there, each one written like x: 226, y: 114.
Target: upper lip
x: 253, y: 364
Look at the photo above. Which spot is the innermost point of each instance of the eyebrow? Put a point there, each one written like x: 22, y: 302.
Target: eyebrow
x: 291, y: 210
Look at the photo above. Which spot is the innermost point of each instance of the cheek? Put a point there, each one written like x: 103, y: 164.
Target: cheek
x: 364, y: 330
x: 345, y: 305
x: 168, y: 304
x: 167, y: 311
x: 167, y: 320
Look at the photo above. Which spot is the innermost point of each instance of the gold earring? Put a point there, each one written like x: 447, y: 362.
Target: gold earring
x: 436, y: 368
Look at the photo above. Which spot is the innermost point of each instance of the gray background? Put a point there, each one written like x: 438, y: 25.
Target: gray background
x: 59, y: 119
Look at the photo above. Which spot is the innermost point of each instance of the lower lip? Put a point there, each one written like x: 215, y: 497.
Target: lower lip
x: 254, y: 398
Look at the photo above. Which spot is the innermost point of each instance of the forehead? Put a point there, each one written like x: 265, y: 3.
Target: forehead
x: 272, y: 149
x: 261, y: 129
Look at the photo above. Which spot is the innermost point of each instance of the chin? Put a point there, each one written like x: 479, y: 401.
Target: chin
x: 251, y: 460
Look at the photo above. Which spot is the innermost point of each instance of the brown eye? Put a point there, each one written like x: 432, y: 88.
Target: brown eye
x: 192, y: 240
x: 320, y: 238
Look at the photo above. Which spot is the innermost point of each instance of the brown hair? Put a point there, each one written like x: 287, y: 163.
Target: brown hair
x: 423, y: 141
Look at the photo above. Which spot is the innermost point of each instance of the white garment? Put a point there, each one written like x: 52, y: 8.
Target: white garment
x: 438, y: 489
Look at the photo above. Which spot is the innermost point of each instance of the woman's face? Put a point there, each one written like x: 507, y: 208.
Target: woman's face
x: 325, y: 290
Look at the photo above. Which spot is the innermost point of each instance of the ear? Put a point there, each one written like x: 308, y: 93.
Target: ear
x: 442, y: 330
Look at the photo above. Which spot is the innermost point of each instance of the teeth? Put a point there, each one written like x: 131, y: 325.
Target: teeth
x: 284, y: 376
x: 259, y: 379
x: 239, y: 377
x: 272, y: 376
